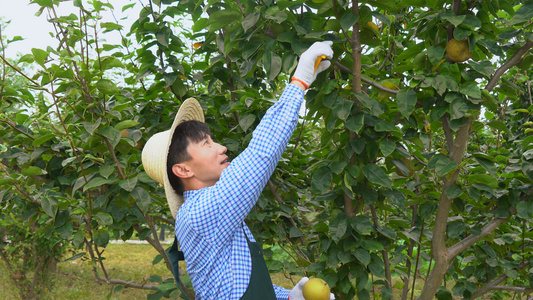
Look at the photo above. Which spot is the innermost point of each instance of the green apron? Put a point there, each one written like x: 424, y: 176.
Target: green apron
x: 260, y: 286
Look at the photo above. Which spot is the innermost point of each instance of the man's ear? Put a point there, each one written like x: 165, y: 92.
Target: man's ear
x: 181, y: 170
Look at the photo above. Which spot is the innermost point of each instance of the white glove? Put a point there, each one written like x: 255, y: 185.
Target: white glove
x: 305, y: 71
x: 297, y: 291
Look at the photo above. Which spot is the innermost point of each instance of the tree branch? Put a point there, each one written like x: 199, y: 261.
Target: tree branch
x: 366, y: 80
x: 509, y: 64
x: 447, y: 131
x: 125, y: 283
x: 472, y: 239
x: 494, y: 285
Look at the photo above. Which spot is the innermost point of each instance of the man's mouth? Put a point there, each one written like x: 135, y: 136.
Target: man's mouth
x: 225, y: 161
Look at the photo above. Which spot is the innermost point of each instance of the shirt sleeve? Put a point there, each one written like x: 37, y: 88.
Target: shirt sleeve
x: 281, y: 293
x: 230, y: 200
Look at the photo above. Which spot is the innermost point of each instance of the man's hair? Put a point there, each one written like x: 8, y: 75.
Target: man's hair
x: 185, y: 133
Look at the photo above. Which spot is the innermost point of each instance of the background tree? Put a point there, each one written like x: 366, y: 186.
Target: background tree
x: 410, y: 171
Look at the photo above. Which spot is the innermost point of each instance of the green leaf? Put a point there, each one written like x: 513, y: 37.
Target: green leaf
x: 222, y: 18
x: 45, y: 3
x: 525, y: 12
x: 101, y: 238
x: 110, y: 26
x: 49, y: 205
x: 444, y: 294
x: 321, y: 179
x: 274, y: 66
x: 487, y: 164
x: 524, y: 210
x: 458, y: 108
x: 42, y: 139
x: 112, y: 134
x: 484, y: 179
x: 377, y: 267
x: 362, y: 255
x: 142, y: 198
x: 338, y: 228
x: 126, y: 124
x: 498, y: 125
x: 396, y: 197
x: 384, y: 126
x: 348, y: 20
x: 39, y: 55
x: 427, y: 209
x: 106, y: 170
x: 128, y: 184
x: 375, y: 174
x: 97, y: 182
x: 444, y: 166
x: 387, y: 147
x: 103, y: 218
x: 455, y: 229
x: 362, y: 224
x: 453, y: 191
x: 91, y: 127
x: 372, y: 245
x: 106, y: 86
x: 406, y: 99
x: 435, y: 54
x: 455, y: 20
x: 32, y: 170
x: 342, y: 108
x: 295, y: 232
x: 372, y: 104
x: 251, y: 19
x: 471, y: 21
x: 355, y: 122
x: 162, y: 37
x: 484, y: 68
x: 246, y: 121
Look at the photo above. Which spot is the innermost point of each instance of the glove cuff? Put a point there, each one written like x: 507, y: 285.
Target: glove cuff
x: 300, y: 81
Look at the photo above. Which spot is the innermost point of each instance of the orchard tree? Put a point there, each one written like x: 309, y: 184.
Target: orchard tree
x: 409, y: 174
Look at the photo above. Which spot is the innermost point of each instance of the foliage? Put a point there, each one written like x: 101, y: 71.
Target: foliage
x: 375, y: 184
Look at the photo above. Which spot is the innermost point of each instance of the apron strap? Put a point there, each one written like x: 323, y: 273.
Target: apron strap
x: 175, y: 256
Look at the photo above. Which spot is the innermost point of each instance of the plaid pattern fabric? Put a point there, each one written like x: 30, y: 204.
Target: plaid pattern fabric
x: 209, y: 225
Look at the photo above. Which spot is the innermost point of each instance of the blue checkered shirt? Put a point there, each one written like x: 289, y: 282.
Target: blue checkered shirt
x: 209, y: 225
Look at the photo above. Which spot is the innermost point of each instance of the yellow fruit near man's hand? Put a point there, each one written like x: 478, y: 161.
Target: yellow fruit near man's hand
x: 458, y: 51
x: 316, y: 289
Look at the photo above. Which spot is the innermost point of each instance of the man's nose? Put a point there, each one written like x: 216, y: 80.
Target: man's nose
x: 222, y: 149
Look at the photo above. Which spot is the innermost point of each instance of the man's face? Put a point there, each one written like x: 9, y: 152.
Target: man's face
x: 208, y: 160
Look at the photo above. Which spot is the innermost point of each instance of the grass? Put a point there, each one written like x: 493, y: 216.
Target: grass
x: 74, y: 279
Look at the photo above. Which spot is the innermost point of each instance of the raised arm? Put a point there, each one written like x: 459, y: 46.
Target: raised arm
x: 241, y: 183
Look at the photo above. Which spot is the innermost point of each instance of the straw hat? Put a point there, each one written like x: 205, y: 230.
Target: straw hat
x: 155, y: 152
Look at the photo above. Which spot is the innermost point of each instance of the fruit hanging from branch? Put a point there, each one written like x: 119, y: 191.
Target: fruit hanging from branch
x: 458, y: 50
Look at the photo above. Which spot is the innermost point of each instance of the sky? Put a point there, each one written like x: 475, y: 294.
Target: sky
x: 35, y: 30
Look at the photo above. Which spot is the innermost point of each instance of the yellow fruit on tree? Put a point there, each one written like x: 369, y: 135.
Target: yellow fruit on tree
x: 316, y: 289
x: 372, y: 25
x: 382, y: 95
x: 458, y: 51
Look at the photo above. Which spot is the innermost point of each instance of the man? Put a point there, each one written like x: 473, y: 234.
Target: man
x: 210, y: 197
